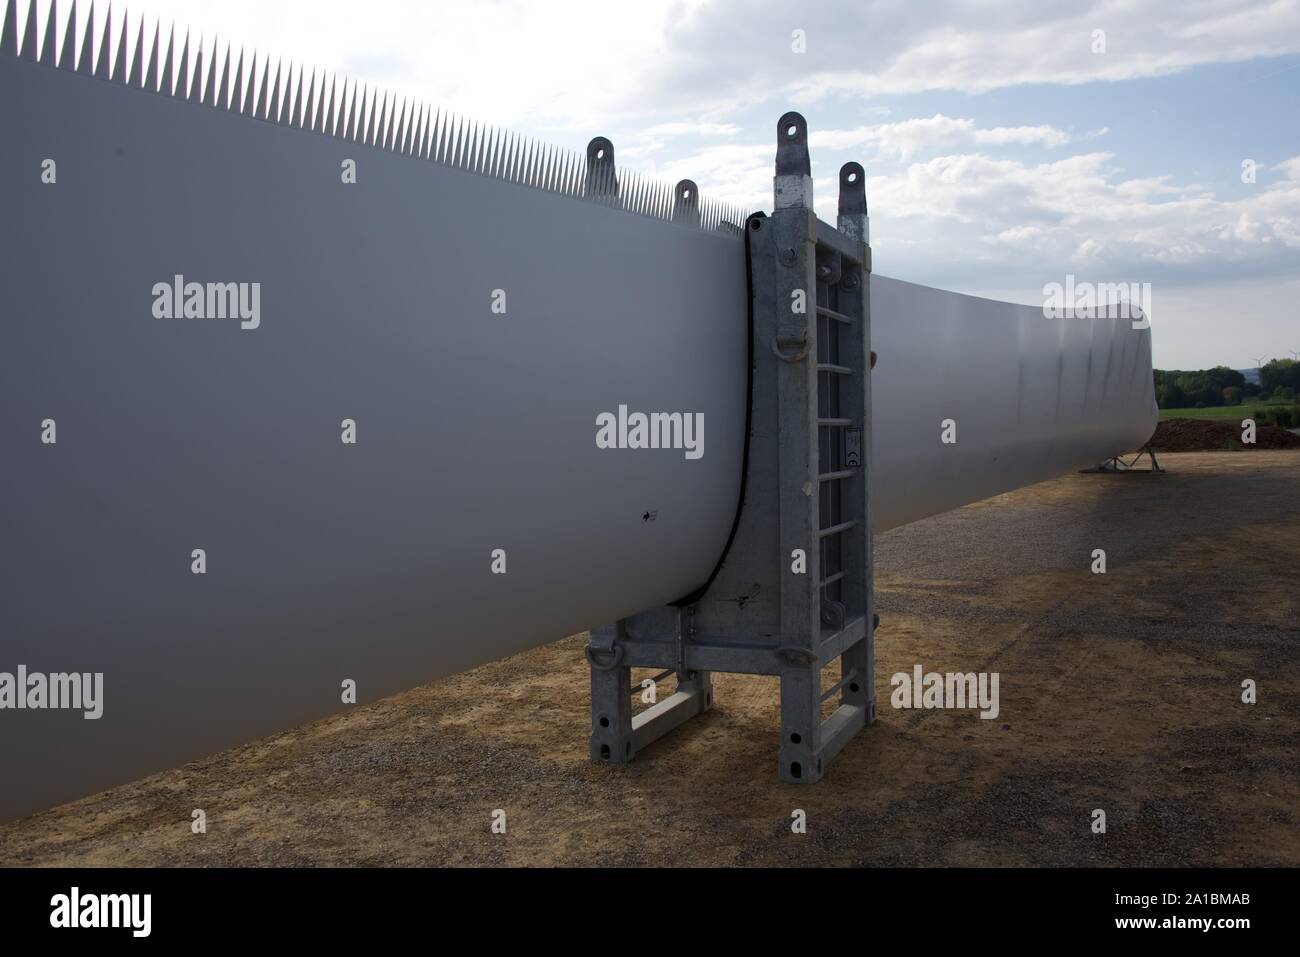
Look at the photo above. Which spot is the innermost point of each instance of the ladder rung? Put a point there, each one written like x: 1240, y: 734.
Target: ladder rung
x: 832, y: 314
x: 835, y: 529
x: 836, y: 476
x: 833, y: 369
x: 834, y: 423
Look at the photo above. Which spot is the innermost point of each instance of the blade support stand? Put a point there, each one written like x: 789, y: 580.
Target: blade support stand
x: 794, y: 591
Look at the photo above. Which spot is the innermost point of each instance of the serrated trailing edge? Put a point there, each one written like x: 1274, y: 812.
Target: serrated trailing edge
x: 333, y: 107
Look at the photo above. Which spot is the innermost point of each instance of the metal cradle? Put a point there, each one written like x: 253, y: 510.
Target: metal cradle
x: 794, y: 589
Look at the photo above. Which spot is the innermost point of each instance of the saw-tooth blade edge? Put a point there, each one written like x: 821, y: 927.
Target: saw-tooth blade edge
x: 412, y: 129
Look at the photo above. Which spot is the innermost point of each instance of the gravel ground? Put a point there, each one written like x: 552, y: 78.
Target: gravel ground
x: 1118, y: 691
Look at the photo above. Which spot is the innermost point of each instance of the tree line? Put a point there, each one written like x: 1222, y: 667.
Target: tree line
x: 1203, y: 388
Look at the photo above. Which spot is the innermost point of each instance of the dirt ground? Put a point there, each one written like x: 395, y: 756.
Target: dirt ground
x: 1119, y: 691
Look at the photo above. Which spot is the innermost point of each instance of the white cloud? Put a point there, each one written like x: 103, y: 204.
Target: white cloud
x: 906, y: 138
x: 694, y: 129
x: 891, y: 48
x: 1290, y: 168
x: 1079, y: 211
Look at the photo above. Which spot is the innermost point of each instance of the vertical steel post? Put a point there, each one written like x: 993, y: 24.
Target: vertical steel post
x: 611, y: 701
x: 794, y: 348
x: 855, y: 301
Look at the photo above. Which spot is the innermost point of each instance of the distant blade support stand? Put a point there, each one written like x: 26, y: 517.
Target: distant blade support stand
x: 794, y: 591
x: 1116, y: 463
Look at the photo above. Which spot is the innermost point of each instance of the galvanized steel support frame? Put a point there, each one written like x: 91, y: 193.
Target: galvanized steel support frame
x: 794, y: 590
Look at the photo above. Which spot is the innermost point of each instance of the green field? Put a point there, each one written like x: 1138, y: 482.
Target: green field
x: 1237, y: 412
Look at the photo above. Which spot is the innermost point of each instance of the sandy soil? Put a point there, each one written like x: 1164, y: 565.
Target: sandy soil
x: 1118, y: 691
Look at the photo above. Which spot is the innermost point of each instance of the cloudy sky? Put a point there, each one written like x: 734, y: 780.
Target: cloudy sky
x: 1006, y: 144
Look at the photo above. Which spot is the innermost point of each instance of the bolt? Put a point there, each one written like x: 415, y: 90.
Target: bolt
x: 787, y: 257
